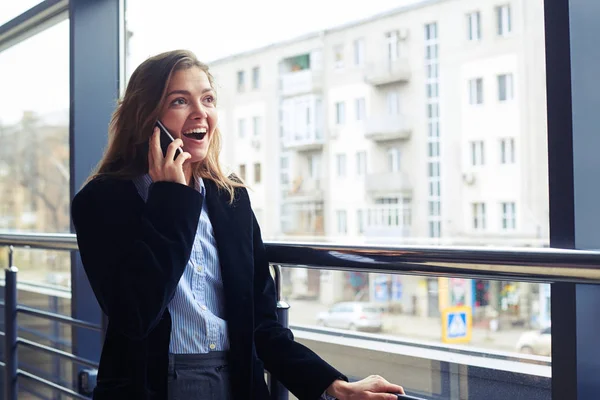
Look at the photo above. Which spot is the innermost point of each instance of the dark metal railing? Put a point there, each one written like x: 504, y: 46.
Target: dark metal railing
x: 12, y: 342
x: 542, y: 265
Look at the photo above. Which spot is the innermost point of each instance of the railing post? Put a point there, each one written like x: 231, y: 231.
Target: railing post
x: 10, y: 335
x: 278, y: 391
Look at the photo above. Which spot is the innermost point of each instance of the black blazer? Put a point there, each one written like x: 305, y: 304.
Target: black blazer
x: 134, y: 254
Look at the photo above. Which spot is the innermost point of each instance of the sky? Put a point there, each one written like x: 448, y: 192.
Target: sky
x: 35, y: 73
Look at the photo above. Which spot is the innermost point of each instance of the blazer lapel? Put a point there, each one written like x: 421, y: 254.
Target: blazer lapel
x: 233, y: 234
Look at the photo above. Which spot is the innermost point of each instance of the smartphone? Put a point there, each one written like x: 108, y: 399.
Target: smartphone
x: 407, y: 397
x: 166, y: 139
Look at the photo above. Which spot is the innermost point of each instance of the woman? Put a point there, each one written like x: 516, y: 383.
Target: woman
x: 175, y: 257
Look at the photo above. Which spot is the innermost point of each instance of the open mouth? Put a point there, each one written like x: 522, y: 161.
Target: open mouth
x: 196, y: 134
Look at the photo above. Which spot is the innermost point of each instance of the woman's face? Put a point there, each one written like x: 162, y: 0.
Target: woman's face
x: 189, y: 112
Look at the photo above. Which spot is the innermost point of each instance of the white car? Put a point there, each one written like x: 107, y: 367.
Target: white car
x: 536, y: 342
x: 352, y: 316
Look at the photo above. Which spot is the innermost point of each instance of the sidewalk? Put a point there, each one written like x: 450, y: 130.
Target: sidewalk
x: 429, y: 328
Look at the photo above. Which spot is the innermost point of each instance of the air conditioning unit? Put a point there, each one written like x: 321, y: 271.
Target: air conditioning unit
x: 255, y: 143
x: 469, y: 178
x: 403, y: 33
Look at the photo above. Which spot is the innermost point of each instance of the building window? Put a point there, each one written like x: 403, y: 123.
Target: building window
x: 240, y: 81
x: 341, y: 165
x: 505, y: 87
x: 360, y: 109
x: 314, y: 166
x: 393, y: 159
x: 256, y: 125
x: 477, y: 153
x: 478, y: 216
x: 359, y: 52
x: 257, y: 174
x: 342, y: 227
x: 504, y: 20
x: 392, y: 40
x: 407, y: 211
x: 338, y: 56
x: 474, y: 26
x: 476, y: 91
x: 392, y: 101
x: 340, y: 113
x: 509, y: 217
x: 256, y: 78
x: 507, y: 151
x: 284, y: 166
x: 361, y: 163
x: 243, y: 172
x: 360, y: 222
x: 241, y: 127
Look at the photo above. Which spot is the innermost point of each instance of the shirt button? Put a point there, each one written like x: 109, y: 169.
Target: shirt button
x: 199, y: 268
x: 203, y: 307
x: 212, y: 346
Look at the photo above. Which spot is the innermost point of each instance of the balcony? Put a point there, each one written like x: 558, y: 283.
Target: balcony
x: 386, y: 220
x: 387, y: 182
x: 309, y: 140
x: 388, y: 72
x: 301, y: 82
x: 304, y: 190
x: 389, y: 127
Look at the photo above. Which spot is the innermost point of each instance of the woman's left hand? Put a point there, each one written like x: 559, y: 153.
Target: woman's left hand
x: 373, y: 387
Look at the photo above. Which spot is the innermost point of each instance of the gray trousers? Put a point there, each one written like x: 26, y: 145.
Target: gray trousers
x: 199, y: 376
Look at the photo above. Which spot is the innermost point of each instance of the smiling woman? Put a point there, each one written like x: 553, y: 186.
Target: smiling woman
x: 198, y: 318
x: 178, y: 90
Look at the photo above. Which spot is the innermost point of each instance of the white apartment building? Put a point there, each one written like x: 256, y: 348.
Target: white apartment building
x: 422, y: 125
x: 425, y: 124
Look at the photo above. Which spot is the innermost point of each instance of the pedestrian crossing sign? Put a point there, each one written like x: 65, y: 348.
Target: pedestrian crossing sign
x: 456, y: 325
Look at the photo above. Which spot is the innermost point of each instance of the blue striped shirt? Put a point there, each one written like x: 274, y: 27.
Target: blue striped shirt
x: 198, y: 307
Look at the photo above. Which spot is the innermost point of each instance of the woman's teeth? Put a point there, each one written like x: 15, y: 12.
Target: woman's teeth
x: 196, y: 134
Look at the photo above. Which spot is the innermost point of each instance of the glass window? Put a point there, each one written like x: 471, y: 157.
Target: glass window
x: 504, y: 20
x: 341, y: 165
x: 479, y: 216
x: 476, y: 91
x: 474, y: 26
x: 505, y: 87
x: 360, y: 109
x: 359, y: 52
x: 477, y: 153
x: 34, y: 131
x: 257, y: 173
x: 256, y: 78
x: 340, y: 113
x: 302, y: 104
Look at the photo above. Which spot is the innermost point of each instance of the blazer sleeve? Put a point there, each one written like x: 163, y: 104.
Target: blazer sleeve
x: 297, y: 367
x: 134, y: 253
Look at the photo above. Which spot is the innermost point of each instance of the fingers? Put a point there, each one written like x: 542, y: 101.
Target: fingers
x: 177, y: 143
x: 154, y: 151
x: 183, y: 157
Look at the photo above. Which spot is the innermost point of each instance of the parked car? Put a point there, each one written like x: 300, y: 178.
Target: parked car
x: 536, y: 342
x: 353, y: 316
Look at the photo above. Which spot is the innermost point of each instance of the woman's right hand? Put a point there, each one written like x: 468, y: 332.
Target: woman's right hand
x: 166, y: 168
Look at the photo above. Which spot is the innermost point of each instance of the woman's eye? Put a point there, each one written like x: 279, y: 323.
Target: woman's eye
x: 209, y: 99
x: 178, y: 101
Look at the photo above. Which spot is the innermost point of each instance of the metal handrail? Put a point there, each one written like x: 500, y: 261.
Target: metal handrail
x: 524, y: 264
x: 11, y: 340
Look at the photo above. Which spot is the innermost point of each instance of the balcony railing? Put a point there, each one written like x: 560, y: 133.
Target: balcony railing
x: 539, y: 265
x: 387, y: 182
x: 301, y: 82
x: 388, y: 127
x: 307, y: 140
x: 387, y: 72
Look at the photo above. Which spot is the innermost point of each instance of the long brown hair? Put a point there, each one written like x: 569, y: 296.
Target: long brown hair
x: 132, y: 123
